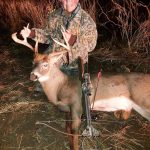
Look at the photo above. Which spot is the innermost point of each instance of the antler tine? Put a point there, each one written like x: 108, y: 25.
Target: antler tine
x: 63, y: 30
x: 23, y: 42
x: 36, y: 46
x: 67, y: 46
x: 63, y: 45
x: 57, y: 53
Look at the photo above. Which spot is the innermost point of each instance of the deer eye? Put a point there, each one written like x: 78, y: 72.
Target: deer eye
x: 45, y: 65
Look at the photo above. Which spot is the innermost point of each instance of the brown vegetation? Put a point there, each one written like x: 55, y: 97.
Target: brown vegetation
x: 132, y: 20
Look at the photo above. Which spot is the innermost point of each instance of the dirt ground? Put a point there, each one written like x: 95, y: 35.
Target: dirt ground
x: 29, y: 122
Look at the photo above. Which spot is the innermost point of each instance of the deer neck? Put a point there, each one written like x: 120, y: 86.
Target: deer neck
x: 53, y: 82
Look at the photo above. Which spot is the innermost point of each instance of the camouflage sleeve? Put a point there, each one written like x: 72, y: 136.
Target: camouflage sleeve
x: 86, y: 40
x: 44, y: 35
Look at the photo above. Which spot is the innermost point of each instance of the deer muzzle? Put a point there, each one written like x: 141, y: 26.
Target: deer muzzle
x: 33, y: 76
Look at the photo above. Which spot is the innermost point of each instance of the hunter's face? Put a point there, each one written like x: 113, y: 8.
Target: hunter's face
x: 69, y: 5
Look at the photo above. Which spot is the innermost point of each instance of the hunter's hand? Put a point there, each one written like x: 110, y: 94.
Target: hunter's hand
x: 25, y: 32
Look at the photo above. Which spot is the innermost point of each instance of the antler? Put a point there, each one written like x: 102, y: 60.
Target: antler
x: 24, y: 41
x: 58, y: 53
x: 67, y: 46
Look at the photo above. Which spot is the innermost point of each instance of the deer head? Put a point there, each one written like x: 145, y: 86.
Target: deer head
x: 46, y: 66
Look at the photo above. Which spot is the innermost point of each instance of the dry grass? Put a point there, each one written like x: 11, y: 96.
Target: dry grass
x: 24, y: 106
x: 130, y: 20
x: 16, y: 14
x: 141, y: 38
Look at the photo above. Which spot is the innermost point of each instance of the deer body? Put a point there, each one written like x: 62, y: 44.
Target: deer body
x: 114, y: 92
x: 124, y: 92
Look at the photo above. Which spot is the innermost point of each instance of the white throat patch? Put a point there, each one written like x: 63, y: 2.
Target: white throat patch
x: 43, y: 78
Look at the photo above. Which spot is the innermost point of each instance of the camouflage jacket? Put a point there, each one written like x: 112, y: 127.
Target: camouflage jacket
x: 79, y: 23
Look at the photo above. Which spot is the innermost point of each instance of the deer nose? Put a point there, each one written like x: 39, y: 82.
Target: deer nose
x: 33, y: 76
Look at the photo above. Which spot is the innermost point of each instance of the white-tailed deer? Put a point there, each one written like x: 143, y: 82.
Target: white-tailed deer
x: 122, y: 92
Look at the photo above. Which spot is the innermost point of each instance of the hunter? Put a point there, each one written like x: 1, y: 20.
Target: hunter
x: 81, y: 31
